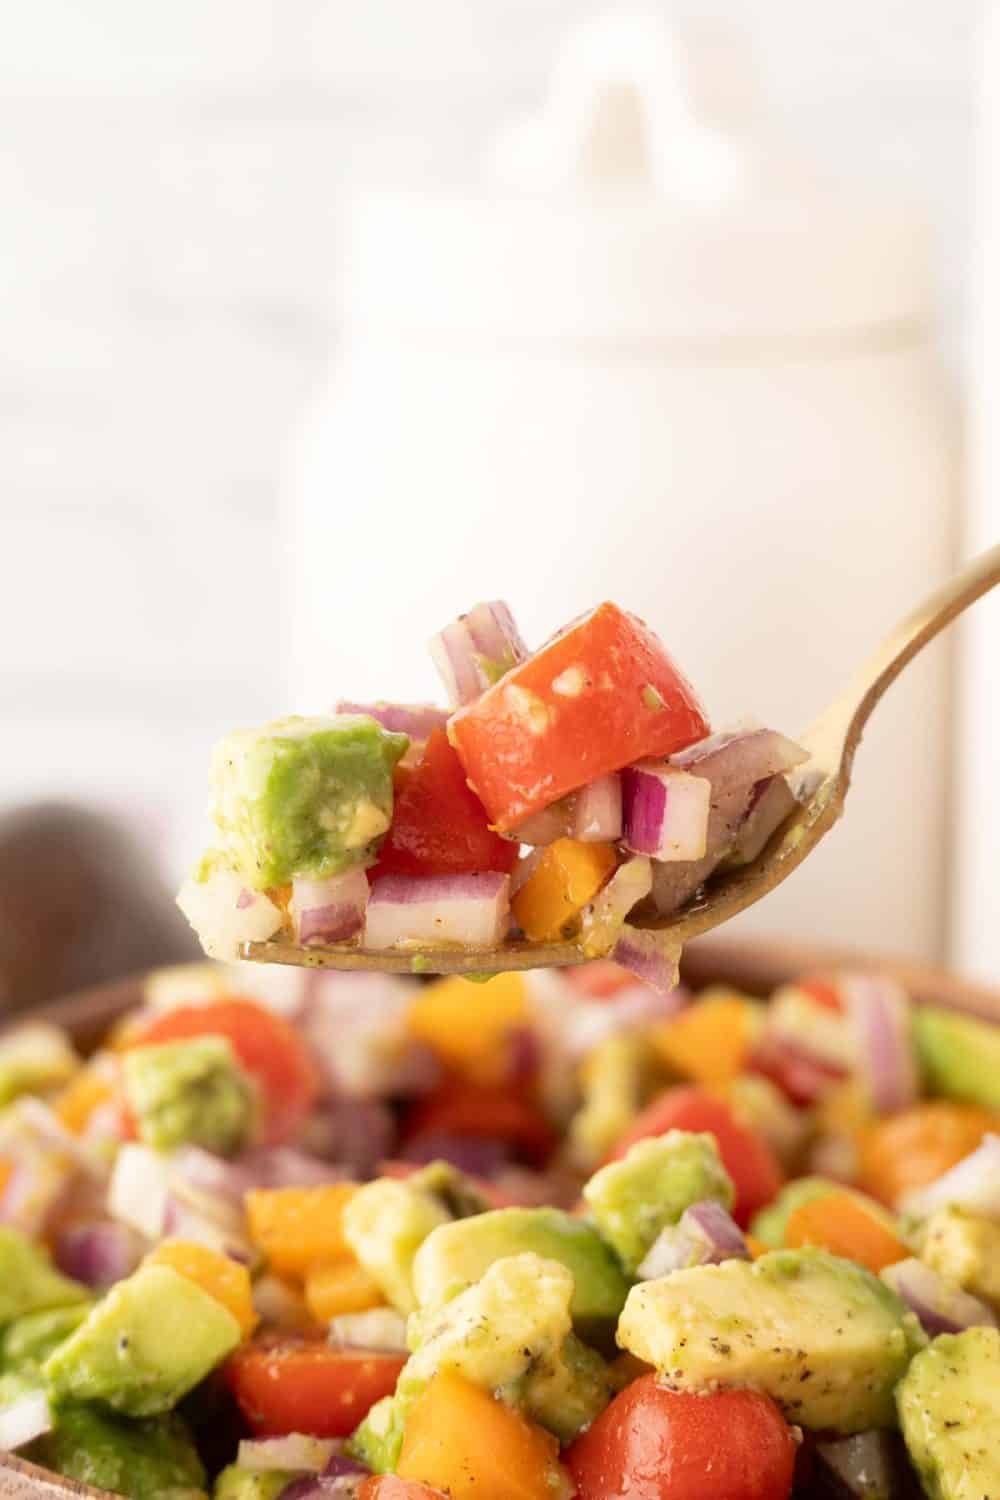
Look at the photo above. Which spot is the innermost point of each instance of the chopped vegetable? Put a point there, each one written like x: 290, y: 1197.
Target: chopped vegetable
x: 567, y: 876
x: 335, y: 1287
x: 297, y: 1228
x: 476, y: 650
x: 471, y: 911
x: 298, y: 1385
x: 665, y: 811
x: 840, y: 1223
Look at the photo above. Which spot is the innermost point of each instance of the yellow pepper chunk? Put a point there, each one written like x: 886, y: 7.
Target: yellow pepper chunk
x: 78, y: 1100
x: 711, y: 1040
x: 468, y: 1025
x: 340, y: 1286
x: 218, y: 1275
x: 298, y: 1228
x: 567, y: 876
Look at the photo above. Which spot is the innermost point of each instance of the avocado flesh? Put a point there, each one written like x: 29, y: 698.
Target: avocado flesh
x: 824, y: 1337
x: 236, y: 1483
x: 190, y: 1093
x: 949, y: 1411
x: 959, y: 1056
x: 303, y: 797
x: 456, y: 1255
x: 153, y: 1459
x: 28, y: 1280
x: 144, y: 1346
x: 965, y: 1249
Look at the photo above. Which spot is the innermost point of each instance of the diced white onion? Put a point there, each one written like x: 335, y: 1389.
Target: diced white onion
x: 972, y: 1184
x: 140, y: 1189
x: 23, y: 1420
x: 431, y: 910
x: 296, y: 1451
x: 329, y: 911
x: 225, y: 913
x: 380, y: 1328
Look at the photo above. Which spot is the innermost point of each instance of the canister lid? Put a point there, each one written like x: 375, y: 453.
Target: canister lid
x: 650, y: 198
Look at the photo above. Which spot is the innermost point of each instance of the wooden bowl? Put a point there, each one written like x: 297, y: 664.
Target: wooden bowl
x: 756, y: 966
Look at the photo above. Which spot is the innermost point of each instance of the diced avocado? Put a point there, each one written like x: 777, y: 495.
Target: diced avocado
x: 153, y: 1459
x: 150, y: 1341
x: 615, y: 1080
x: 34, y: 1058
x: 566, y: 1394
x: 457, y: 1193
x: 633, y: 1199
x: 28, y: 1341
x: 28, y: 1280
x: 303, y: 796
x: 456, y: 1255
x: 949, y: 1411
x: 235, y: 1483
x: 959, y: 1055
x: 822, y: 1335
x: 385, y: 1223
x: 770, y: 1223
x: 378, y: 1439
x: 190, y: 1093
x: 964, y: 1248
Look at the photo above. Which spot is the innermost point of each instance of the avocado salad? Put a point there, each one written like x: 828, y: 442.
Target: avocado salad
x: 560, y: 792
x: 289, y: 1234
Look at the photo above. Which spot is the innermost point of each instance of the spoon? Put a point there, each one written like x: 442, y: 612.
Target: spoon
x: 822, y: 784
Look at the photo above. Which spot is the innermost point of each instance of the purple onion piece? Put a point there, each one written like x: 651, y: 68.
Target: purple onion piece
x: 98, y: 1254
x: 643, y: 955
x: 664, y: 811
x: 597, y: 816
x: 705, y: 1235
x: 474, y: 650
x: 473, y: 910
x: 418, y: 720
x: 479, y: 1156
x: 771, y: 803
x: 723, y: 1236
x: 329, y: 911
x: 864, y: 1464
x: 354, y: 1134
x: 879, y: 1012
x: 940, y: 1307
x: 544, y: 827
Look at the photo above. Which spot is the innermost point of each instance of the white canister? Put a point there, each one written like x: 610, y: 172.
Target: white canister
x: 657, y: 359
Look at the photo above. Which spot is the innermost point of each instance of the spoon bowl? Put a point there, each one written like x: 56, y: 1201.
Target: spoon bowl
x: 822, y: 784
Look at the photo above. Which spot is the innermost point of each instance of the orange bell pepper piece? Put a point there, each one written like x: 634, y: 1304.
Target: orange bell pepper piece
x: 468, y: 1024
x: 840, y: 1224
x: 340, y: 1286
x: 296, y: 1227
x: 710, y: 1041
x: 222, y: 1278
x: 461, y: 1440
x: 912, y: 1148
x: 78, y: 1100
x: 567, y: 876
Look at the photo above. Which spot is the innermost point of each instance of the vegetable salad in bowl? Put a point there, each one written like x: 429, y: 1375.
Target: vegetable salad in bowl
x: 562, y: 791
x: 290, y: 1234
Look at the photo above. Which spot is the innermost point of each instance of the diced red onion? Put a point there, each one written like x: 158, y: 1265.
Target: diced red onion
x: 664, y: 811
x: 24, y: 1419
x: 214, y: 1174
x: 604, y: 918
x: 972, y: 1184
x: 544, y: 827
x: 418, y: 720
x: 474, y: 650
x: 740, y: 757
x: 771, y: 804
x: 430, y: 910
x: 357, y: 1030
x: 879, y: 1012
x: 941, y: 1308
x: 99, y: 1253
x: 329, y: 911
x: 46, y: 1126
x: 705, y: 1235
x: 478, y: 1156
x: 342, y: 1478
x: 524, y: 1055
x: 597, y: 811
x: 643, y: 954
x: 225, y: 915
x: 864, y: 1463
x: 381, y: 1328
x: 294, y: 1451
x: 139, y: 1188
x: 353, y: 1133
x: 524, y: 869
x: 184, y: 1222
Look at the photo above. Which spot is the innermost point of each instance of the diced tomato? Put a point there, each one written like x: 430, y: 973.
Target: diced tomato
x: 600, y: 979
x: 652, y: 1443
x: 459, y: 1108
x: 823, y: 991
x: 599, y: 696
x: 303, y: 1385
x: 439, y: 826
x: 801, y: 1078
x: 266, y: 1047
x: 746, y: 1157
x: 389, y: 1487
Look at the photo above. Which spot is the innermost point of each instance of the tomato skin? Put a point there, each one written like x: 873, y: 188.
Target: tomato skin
x: 439, y: 826
x: 652, y: 1443
x: 599, y: 696
x: 265, y: 1045
x: 305, y: 1385
x: 389, y: 1487
x: 483, y: 1111
x: 748, y: 1160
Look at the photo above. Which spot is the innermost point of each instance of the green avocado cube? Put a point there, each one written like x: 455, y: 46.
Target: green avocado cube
x: 190, y: 1093
x: 377, y: 1441
x: 303, y: 797
x: 385, y: 1223
x: 28, y: 1280
x: 456, y: 1255
x: 823, y: 1336
x: 959, y: 1055
x: 150, y: 1341
x: 34, y: 1058
x: 964, y: 1248
x: 28, y: 1341
x: 237, y: 1483
x: 949, y: 1411
x: 153, y: 1459
x: 633, y: 1199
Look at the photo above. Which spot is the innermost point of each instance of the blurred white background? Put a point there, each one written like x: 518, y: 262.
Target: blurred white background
x: 169, y: 185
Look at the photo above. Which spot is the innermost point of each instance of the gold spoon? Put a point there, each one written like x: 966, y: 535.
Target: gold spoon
x: 824, y: 782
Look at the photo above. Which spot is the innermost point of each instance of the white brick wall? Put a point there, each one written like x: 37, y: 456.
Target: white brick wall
x: 169, y: 178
